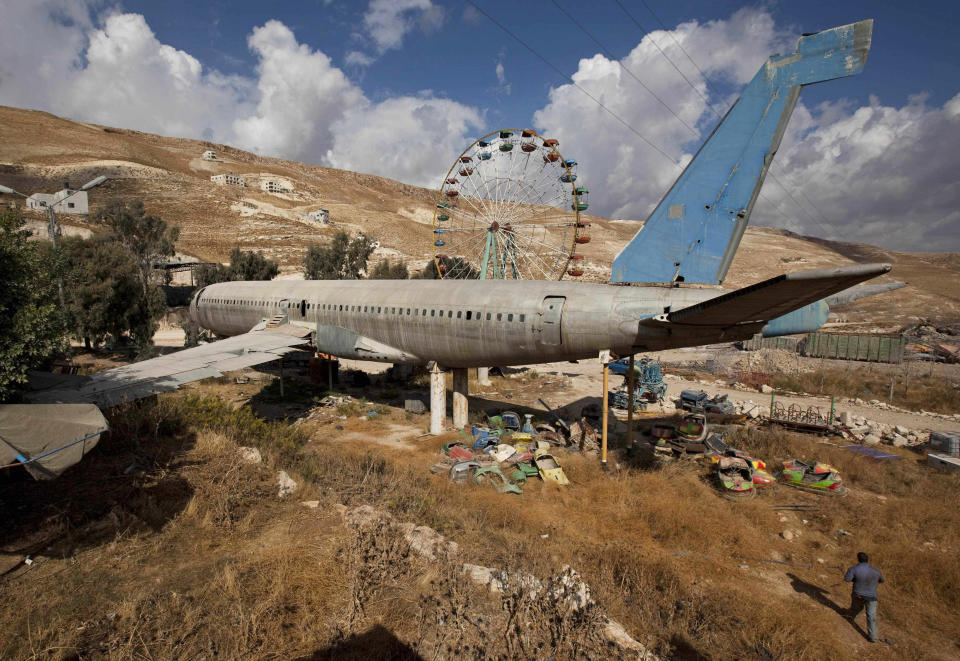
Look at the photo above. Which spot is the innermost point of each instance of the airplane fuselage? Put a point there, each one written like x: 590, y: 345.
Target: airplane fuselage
x: 457, y: 323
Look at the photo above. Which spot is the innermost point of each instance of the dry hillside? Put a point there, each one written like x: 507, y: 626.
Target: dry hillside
x: 39, y: 151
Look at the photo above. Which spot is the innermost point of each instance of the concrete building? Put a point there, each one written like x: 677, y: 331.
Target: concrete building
x: 319, y: 216
x: 275, y: 187
x: 76, y: 204
x: 209, y: 155
x: 229, y: 180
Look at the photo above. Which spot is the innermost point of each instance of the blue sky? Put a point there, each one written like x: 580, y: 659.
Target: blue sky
x: 915, y: 45
x: 398, y: 87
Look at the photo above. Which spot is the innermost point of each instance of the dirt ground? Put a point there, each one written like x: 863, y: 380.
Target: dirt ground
x: 163, y: 545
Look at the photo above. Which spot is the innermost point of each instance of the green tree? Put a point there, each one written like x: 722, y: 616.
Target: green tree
x: 244, y: 265
x: 209, y: 274
x: 31, y: 330
x: 341, y: 259
x: 457, y: 265
x: 103, y: 290
x: 149, y: 239
x: 384, y: 270
x: 250, y: 265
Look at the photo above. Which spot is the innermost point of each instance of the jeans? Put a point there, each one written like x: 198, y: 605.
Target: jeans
x: 857, y: 604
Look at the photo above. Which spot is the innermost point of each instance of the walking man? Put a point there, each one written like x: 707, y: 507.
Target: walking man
x: 865, y: 579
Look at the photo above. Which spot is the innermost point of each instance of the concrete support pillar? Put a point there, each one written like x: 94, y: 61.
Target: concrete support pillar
x: 631, y: 385
x: 438, y: 400
x: 483, y: 376
x: 606, y: 408
x: 461, y: 389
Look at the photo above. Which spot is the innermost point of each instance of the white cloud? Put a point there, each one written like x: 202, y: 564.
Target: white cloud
x: 297, y: 105
x: 300, y: 95
x: 408, y: 138
x: 878, y: 174
x: 627, y: 176
x: 387, y: 22
x: 131, y: 79
x: 358, y: 59
x: 875, y: 174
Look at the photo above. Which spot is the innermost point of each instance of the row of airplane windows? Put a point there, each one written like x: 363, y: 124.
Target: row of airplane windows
x: 371, y: 309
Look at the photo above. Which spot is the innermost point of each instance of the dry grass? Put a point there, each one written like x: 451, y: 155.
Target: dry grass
x: 910, y: 392
x: 232, y: 572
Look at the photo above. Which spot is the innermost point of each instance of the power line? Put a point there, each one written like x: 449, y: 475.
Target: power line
x: 683, y: 50
x: 623, y: 66
x: 574, y: 83
x: 714, y: 110
x: 667, y: 57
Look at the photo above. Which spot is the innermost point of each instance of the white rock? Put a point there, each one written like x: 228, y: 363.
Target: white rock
x: 787, y: 535
x: 287, y: 485
x: 899, y: 441
x: 312, y: 504
x: 871, y: 439
x: 249, y: 455
x: 766, y: 389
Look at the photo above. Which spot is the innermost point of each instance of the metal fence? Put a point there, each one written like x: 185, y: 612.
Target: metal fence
x: 872, y: 348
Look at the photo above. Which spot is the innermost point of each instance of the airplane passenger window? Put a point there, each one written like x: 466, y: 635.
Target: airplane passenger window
x: 424, y: 312
x: 378, y: 310
x: 522, y: 317
x: 433, y: 313
x: 408, y: 312
x: 469, y: 314
x: 459, y: 314
x: 499, y: 316
x: 488, y: 316
x: 449, y: 314
x: 509, y: 317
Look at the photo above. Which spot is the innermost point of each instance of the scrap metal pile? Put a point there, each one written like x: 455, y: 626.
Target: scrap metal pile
x: 506, y: 452
x: 738, y: 474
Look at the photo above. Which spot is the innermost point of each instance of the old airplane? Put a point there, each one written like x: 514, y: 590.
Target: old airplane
x: 664, y: 291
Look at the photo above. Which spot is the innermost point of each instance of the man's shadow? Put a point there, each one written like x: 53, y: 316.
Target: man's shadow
x: 819, y: 595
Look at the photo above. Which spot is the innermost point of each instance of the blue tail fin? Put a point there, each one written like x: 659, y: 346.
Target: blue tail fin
x: 693, y: 234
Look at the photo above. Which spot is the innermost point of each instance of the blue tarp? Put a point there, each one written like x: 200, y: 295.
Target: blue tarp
x: 873, y: 453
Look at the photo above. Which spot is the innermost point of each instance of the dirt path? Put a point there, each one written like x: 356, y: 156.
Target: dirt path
x: 589, y: 379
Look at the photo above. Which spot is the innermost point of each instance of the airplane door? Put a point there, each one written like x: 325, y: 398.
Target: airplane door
x: 550, y: 317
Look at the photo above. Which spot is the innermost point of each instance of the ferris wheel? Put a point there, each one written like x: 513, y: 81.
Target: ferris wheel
x: 509, y: 208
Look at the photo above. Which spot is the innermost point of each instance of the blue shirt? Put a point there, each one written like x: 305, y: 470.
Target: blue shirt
x: 865, y: 580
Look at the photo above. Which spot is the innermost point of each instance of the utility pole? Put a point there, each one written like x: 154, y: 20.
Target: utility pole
x: 53, y: 229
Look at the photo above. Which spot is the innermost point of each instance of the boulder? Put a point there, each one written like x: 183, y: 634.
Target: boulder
x: 899, y: 441
x: 249, y: 455
x: 287, y: 485
x: 871, y: 439
x: 900, y: 429
x: 766, y: 389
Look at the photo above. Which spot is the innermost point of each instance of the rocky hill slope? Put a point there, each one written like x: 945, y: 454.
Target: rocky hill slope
x: 39, y: 151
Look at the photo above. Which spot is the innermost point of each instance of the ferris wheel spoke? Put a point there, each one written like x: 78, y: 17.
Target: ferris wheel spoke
x: 535, y: 260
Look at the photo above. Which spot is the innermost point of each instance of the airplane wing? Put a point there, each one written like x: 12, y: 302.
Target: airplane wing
x: 169, y: 372
x: 771, y: 298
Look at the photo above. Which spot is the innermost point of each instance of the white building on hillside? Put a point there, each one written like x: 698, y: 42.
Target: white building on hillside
x: 209, y: 155
x: 275, y: 187
x: 229, y: 180
x: 319, y: 216
x: 76, y: 204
